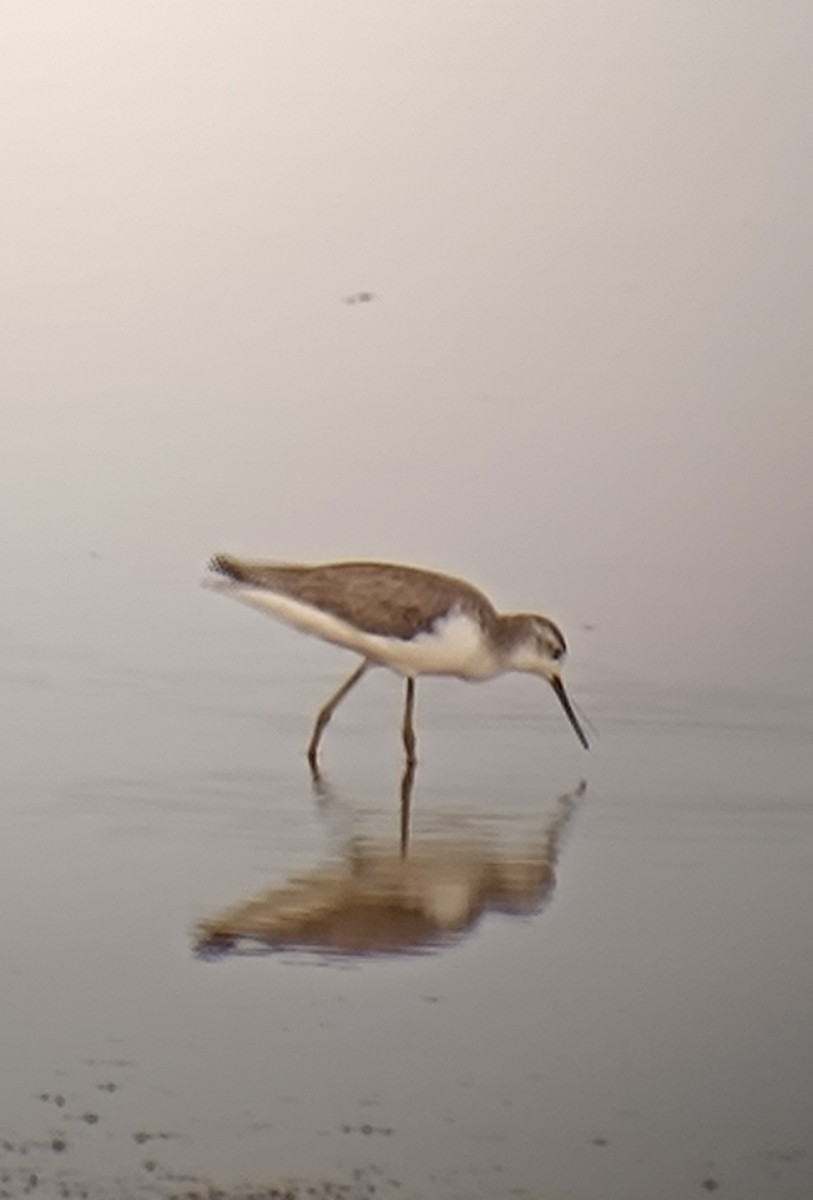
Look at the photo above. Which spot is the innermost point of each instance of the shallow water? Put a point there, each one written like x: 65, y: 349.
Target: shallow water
x: 630, y: 1016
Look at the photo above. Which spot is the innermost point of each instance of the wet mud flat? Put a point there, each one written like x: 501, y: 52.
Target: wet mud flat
x: 41, y: 1167
x: 69, y: 1185
x: 70, y: 1130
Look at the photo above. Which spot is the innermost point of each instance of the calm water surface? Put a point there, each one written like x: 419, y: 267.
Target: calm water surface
x: 616, y: 1002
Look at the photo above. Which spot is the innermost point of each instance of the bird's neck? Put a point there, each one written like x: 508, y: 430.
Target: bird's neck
x: 508, y: 632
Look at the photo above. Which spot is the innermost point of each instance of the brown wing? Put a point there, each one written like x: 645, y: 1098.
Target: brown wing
x: 382, y: 598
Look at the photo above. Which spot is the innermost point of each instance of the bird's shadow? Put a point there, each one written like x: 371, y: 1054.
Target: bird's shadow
x: 327, y: 797
x: 385, y: 896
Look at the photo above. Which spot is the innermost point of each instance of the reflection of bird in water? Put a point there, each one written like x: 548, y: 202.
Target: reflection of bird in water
x: 415, y: 622
x: 359, y: 298
x: 389, y: 899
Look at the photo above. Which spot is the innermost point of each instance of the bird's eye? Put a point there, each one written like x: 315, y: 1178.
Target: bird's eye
x: 556, y: 653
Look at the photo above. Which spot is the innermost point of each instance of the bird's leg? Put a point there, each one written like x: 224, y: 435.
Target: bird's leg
x: 407, y: 783
x: 408, y: 729
x: 327, y: 711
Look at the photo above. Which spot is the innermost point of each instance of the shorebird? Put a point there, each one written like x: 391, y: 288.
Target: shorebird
x: 414, y: 621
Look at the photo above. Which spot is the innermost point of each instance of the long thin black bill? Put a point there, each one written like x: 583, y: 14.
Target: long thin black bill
x: 564, y: 700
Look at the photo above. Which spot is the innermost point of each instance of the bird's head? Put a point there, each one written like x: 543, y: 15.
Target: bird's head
x: 538, y: 647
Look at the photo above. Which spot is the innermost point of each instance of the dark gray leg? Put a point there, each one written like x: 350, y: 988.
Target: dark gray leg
x: 408, y: 728
x: 327, y: 711
x: 407, y: 783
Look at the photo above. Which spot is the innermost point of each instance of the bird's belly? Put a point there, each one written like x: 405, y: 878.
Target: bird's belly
x: 455, y: 646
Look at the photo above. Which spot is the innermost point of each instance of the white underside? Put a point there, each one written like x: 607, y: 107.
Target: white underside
x: 454, y: 647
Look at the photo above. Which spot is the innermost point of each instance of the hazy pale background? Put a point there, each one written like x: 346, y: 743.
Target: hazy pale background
x: 584, y: 384
x: 584, y: 381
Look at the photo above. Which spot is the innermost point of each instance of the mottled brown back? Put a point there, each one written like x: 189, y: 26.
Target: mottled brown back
x: 382, y: 598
